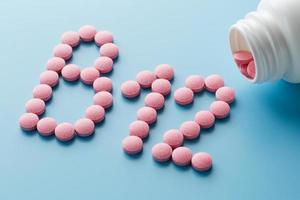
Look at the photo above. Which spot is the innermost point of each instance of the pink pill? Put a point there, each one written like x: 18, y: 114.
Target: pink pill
x: 201, y: 161
x: 190, y: 130
x: 95, y: 113
x: 36, y: 106
x: 46, y: 126
x: 195, y: 83
x: 182, y: 156
x: 184, y: 96
x: 164, y: 71
x: 63, y: 51
x: 161, y: 86
x: 28, y: 121
x: 42, y: 91
x: 89, y: 75
x: 220, y: 109
x: 214, y: 82
x: 103, y: 99
x: 147, y: 114
x: 71, y: 38
x: 242, y: 57
x: 251, y: 69
x: 132, y: 144
x: 84, y: 127
x: 130, y: 89
x: 226, y: 94
x: 87, y: 33
x: 102, y: 84
x: 110, y: 50
x: 49, y: 77
x: 205, y: 119
x: 145, y: 78
x: 161, y: 152
x: 174, y: 138
x: 103, y: 37
x: 64, y: 132
x: 155, y: 100
x: 243, y: 70
x: 139, y: 128
x: 55, y: 64
x: 104, y: 64
x: 71, y: 72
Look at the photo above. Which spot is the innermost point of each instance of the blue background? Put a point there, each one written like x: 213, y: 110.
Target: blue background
x: 256, y: 152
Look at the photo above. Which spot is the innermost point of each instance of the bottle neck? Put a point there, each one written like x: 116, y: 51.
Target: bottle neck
x: 259, y: 34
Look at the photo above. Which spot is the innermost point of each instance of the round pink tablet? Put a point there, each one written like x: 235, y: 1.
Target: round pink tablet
x: 36, y: 106
x: 110, y: 50
x: 242, y: 57
x: 195, y: 83
x: 161, y: 86
x: 214, y: 82
x: 104, y: 64
x: 164, y: 71
x: 205, y: 119
x: 71, y: 38
x: 102, y: 84
x: 174, y: 138
x: 155, y: 100
x: 55, y: 64
x: 84, y: 127
x: 251, y: 69
x: 220, y: 109
x: 132, y: 144
x: 201, y: 161
x: 147, y: 114
x: 49, y: 77
x: 103, y: 99
x: 226, y: 94
x: 161, y: 152
x: 87, y: 33
x: 70, y: 72
x: 42, y: 91
x: 64, y: 132
x: 28, y: 121
x: 130, y: 89
x: 89, y: 75
x: 190, y: 130
x: 63, y: 51
x: 46, y: 126
x: 103, y: 37
x: 184, y: 96
x: 139, y: 128
x: 182, y: 156
x: 95, y: 113
x: 145, y: 78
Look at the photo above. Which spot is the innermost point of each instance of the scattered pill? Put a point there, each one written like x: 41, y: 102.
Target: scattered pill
x: 174, y: 138
x: 132, y: 144
x: 155, y: 100
x: 190, y: 130
x: 161, y: 152
x: 103, y: 37
x: 42, y: 91
x: 182, y: 156
x: 110, y: 50
x: 28, y: 121
x: 71, y: 38
x: 205, y: 119
x: 46, y: 126
x: 242, y: 57
x: 201, y: 161
x: 95, y: 113
x: 214, y: 82
x: 36, y: 106
x: 49, y: 77
x: 164, y: 71
x: 102, y: 84
x: 103, y: 99
x: 55, y: 64
x: 130, y: 89
x: 195, y: 83
x: 220, y: 109
x: 64, y: 132
x: 161, y: 86
x: 71, y: 72
x: 84, y: 127
x: 87, y: 33
x: 226, y: 94
x: 89, y: 75
x: 63, y: 51
x: 184, y: 96
x: 104, y: 64
x: 147, y: 114
x: 145, y: 78
x: 251, y: 69
x: 139, y: 128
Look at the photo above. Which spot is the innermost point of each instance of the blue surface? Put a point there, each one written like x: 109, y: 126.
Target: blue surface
x: 256, y: 151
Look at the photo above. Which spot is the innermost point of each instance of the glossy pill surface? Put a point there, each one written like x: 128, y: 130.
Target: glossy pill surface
x: 36, y: 106
x: 145, y: 78
x: 190, y: 130
x: 205, y: 119
x: 214, y: 82
x: 63, y: 51
x: 71, y: 38
x: 195, y: 83
x: 226, y: 94
x: 46, y: 126
x: 103, y: 99
x: 49, y: 77
x: 110, y: 50
x: 28, y: 121
x: 161, y: 152
x: 147, y: 114
x: 89, y: 75
x: 87, y: 33
x: 84, y: 127
x: 164, y: 71
x: 182, y: 156
x: 139, y: 128
x: 104, y: 64
x: 155, y: 100
x: 130, y: 89
x: 184, y: 96
x: 71, y: 72
x: 161, y: 86
x: 103, y: 37
x: 102, y: 84
x: 42, y: 91
x: 220, y: 109
x: 132, y: 145
x: 201, y: 161
x: 64, y: 132
x: 173, y: 137
x: 95, y: 113
x: 55, y: 64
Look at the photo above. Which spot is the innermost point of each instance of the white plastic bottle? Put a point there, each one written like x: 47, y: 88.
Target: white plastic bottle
x: 272, y: 35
